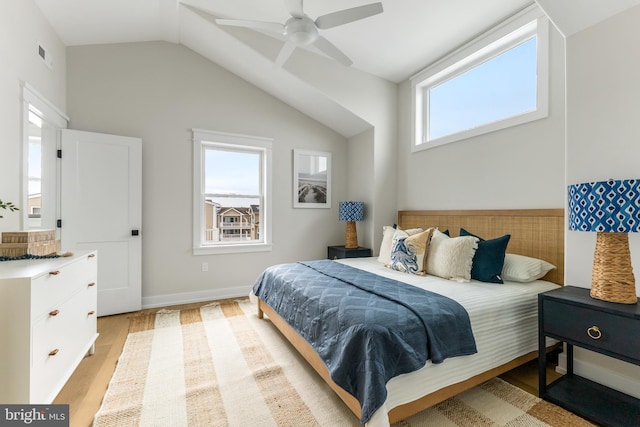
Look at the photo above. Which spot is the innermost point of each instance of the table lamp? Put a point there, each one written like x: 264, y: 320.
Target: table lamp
x: 351, y: 212
x: 612, y: 209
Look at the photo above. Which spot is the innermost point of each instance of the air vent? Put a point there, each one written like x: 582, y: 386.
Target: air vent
x: 44, y: 55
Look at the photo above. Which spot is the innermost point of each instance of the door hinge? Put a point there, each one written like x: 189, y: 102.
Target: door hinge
x: 59, y: 154
x: 59, y: 223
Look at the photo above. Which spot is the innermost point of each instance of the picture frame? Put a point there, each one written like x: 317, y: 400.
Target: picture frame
x: 311, y: 179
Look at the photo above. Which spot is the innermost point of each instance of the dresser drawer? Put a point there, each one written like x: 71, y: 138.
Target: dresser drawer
x: 54, y: 351
x: 57, y: 285
x: 59, y: 340
x: 86, y: 315
x: 592, y: 328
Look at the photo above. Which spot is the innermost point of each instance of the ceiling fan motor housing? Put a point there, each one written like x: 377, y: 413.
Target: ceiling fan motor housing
x: 301, y: 31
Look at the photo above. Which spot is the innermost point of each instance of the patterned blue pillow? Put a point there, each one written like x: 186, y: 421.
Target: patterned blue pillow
x: 409, y: 253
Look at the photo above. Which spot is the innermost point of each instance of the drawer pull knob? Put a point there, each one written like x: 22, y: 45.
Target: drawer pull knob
x: 54, y: 273
x: 91, y: 255
x: 54, y: 352
x: 91, y: 313
x: 54, y: 313
x: 91, y: 284
x: 594, y: 332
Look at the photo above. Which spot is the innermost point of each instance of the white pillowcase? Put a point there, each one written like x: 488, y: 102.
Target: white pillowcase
x: 384, y: 256
x: 451, y: 258
x: 520, y: 268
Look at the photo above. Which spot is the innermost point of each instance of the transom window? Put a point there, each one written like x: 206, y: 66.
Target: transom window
x: 232, y: 182
x: 497, y: 81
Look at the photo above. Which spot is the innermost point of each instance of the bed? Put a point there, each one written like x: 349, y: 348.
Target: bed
x: 503, y: 317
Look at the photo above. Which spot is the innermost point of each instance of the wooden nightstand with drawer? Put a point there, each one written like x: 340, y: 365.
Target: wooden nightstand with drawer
x: 569, y: 314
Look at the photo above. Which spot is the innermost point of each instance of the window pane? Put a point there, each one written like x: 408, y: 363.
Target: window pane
x: 231, y: 219
x: 232, y: 172
x: 501, y: 87
x: 234, y: 218
x: 35, y: 171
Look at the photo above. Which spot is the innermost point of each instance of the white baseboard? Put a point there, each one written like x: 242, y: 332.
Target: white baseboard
x: 197, y: 296
x: 562, y: 363
x: 600, y: 374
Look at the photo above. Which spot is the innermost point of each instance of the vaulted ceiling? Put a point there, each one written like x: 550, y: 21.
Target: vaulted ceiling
x: 393, y: 45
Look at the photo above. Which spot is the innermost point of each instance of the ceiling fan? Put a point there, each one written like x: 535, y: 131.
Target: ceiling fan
x: 300, y: 30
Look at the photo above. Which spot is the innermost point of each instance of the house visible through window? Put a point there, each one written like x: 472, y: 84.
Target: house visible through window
x: 231, y: 194
x: 499, y: 80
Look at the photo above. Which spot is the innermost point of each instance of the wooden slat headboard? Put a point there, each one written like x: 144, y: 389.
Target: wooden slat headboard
x: 537, y: 233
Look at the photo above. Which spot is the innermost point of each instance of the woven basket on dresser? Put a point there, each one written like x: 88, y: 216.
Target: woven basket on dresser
x: 36, y: 242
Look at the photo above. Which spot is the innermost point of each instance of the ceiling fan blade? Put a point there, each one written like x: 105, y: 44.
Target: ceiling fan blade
x: 345, y: 16
x: 272, y: 27
x: 285, y: 53
x: 294, y: 7
x: 329, y: 49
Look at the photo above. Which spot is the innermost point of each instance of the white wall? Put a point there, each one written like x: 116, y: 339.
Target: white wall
x: 360, y: 170
x: 375, y: 100
x: 22, y: 25
x: 159, y: 91
x: 603, y: 141
x: 516, y: 168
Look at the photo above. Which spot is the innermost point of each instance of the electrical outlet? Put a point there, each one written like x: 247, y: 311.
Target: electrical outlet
x: 205, y: 266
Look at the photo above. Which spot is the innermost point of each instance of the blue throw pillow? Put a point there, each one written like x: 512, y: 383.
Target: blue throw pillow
x: 489, y: 258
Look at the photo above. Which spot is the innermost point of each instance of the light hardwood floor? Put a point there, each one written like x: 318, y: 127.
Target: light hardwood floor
x: 86, y: 387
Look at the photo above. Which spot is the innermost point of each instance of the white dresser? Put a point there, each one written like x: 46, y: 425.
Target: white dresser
x: 47, y: 324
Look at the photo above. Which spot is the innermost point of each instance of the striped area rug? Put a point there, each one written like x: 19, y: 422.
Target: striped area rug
x: 220, y: 365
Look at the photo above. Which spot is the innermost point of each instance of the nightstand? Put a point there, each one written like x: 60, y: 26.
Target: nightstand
x: 338, y: 252
x: 569, y: 314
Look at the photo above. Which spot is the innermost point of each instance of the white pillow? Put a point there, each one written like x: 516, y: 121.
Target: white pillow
x: 520, y: 268
x: 384, y: 256
x: 451, y: 258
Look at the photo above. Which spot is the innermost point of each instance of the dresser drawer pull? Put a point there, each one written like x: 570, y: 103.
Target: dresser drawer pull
x: 91, y: 284
x: 91, y: 313
x: 54, y: 273
x: 54, y: 313
x: 91, y: 255
x: 594, y: 332
x: 54, y: 352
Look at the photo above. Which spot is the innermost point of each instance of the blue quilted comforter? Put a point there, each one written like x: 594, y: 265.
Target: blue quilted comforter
x: 366, y: 328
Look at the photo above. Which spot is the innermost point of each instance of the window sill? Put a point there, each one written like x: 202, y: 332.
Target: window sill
x: 232, y: 249
x: 520, y: 119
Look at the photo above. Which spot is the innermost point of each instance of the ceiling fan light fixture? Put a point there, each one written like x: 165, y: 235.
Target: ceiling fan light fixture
x: 301, y: 31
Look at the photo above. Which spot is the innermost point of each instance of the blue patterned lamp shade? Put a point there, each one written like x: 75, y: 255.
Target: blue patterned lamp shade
x: 605, y: 206
x: 351, y: 211
x: 612, y: 209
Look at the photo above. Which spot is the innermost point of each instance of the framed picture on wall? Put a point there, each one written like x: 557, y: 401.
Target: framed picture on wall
x: 311, y: 179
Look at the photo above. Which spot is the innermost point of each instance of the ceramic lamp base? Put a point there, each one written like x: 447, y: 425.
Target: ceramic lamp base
x: 612, y: 279
x: 351, y: 241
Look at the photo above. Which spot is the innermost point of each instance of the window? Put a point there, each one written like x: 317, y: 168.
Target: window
x: 42, y: 122
x: 232, y: 189
x: 497, y: 81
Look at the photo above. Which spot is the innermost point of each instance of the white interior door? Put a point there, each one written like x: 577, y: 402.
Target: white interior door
x: 101, y: 190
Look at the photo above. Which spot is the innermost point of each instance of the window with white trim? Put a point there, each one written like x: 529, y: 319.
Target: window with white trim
x: 497, y: 81
x: 232, y: 193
